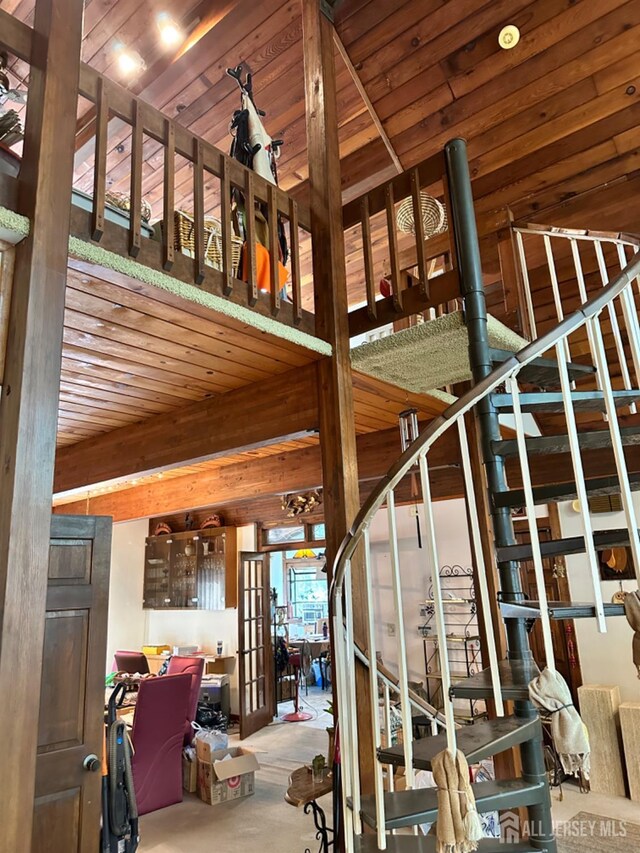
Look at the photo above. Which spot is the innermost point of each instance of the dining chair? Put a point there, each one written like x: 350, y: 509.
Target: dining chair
x: 157, y: 736
x: 131, y: 662
x: 194, y: 667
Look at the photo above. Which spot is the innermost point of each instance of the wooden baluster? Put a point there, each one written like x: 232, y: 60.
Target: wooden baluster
x: 250, y: 248
x: 294, y: 251
x: 274, y: 250
x: 225, y: 215
x: 392, y: 231
x: 198, y: 210
x: 135, y: 206
x: 168, y: 221
x: 423, y: 270
x: 372, y: 310
x: 100, y: 166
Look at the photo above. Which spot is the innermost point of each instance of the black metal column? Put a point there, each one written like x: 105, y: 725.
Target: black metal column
x: 472, y: 287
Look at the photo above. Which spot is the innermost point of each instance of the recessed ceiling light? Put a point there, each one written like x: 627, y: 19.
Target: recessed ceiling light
x: 171, y: 34
x: 509, y: 37
x: 129, y: 61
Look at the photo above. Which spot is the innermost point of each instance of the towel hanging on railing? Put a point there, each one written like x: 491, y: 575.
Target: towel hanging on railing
x: 458, y: 828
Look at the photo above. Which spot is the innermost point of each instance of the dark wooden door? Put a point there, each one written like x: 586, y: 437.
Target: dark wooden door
x: 66, y: 817
x: 254, y: 644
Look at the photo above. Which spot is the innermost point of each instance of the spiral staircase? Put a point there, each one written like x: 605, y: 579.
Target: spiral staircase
x: 586, y: 369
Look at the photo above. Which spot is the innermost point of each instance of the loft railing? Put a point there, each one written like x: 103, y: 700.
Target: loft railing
x: 357, y: 545
x: 371, y: 222
x: 214, y: 175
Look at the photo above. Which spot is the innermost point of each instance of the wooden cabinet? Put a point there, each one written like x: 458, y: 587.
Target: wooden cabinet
x: 196, y: 570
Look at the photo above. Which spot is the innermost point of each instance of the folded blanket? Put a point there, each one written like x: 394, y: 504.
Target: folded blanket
x: 458, y: 828
x: 550, y: 694
x: 632, y: 612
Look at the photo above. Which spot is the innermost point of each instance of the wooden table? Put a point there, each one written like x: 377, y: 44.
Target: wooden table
x: 212, y: 663
x: 303, y: 793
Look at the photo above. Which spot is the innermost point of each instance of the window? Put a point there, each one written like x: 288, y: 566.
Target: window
x: 308, y: 592
x: 283, y: 535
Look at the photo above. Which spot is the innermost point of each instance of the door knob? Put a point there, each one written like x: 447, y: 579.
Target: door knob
x: 92, y: 763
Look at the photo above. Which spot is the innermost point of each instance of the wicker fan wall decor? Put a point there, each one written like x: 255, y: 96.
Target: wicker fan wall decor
x: 434, y: 216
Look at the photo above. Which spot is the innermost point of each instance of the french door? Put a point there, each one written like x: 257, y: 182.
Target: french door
x: 254, y: 644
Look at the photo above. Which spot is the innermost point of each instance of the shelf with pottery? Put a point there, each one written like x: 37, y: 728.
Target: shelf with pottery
x: 193, y: 570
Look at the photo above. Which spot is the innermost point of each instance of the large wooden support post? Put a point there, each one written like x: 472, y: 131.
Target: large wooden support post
x: 337, y: 426
x: 29, y: 402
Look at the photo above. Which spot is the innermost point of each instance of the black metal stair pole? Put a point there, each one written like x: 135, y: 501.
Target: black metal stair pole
x: 475, y: 309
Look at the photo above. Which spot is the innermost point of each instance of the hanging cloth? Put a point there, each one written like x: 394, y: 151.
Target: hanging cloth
x: 550, y: 694
x: 458, y: 827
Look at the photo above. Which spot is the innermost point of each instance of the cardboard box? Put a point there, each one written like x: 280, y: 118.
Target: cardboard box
x: 220, y: 781
x: 189, y: 774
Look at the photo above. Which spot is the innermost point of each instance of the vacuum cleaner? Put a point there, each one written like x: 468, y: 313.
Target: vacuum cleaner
x: 119, y: 809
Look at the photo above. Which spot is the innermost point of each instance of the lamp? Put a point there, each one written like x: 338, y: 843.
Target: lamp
x: 129, y: 61
x: 305, y: 554
x: 409, y: 428
x: 171, y: 34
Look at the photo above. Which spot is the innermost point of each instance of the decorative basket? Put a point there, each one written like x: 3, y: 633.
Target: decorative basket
x: 122, y: 201
x: 434, y: 216
x: 185, y: 241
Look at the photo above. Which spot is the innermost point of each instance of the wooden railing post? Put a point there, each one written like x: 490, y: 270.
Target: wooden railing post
x: 29, y: 404
x: 337, y: 424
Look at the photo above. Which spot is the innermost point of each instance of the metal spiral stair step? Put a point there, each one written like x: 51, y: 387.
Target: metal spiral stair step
x: 408, y: 808
x: 482, y: 740
x: 558, y: 610
x: 543, y: 372
x: 551, y: 401
x: 427, y: 844
x: 564, y: 491
x: 515, y: 676
x: 595, y: 440
x: 563, y: 547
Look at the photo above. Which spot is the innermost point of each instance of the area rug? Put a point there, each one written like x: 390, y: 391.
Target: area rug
x: 431, y: 355
x: 594, y: 833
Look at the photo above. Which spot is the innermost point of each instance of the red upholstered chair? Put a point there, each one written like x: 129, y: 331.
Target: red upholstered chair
x: 193, y: 667
x: 131, y: 662
x: 157, y: 735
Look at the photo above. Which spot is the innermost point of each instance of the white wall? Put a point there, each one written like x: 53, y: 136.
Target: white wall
x: 605, y: 658
x: 126, y: 626
x: 453, y: 548
x: 131, y: 627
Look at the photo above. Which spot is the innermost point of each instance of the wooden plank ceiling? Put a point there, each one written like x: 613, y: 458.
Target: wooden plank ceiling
x: 552, y: 119
x: 128, y: 355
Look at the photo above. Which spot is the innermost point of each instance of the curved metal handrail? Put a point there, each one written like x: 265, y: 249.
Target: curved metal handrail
x: 468, y: 400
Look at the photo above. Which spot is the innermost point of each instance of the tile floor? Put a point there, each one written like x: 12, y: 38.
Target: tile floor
x: 265, y: 823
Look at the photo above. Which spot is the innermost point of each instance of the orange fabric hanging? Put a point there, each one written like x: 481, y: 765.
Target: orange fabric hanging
x: 263, y: 271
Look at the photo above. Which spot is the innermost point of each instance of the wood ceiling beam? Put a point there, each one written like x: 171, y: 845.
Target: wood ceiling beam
x: 367, y: 100
x: 295, y: 471
x: 256, y: 415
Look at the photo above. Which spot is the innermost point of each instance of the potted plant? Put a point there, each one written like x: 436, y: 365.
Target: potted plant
x: 318, y: 764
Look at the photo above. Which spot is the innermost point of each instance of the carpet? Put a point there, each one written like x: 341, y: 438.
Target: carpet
x: 593, y: 833
x: 431, y: 355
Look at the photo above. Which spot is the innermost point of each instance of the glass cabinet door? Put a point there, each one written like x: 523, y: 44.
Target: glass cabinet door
x: 184, y: 555
x: 157, y: 568
x: 211, y: 570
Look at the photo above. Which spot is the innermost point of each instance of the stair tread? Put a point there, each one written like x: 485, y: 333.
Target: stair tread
x: 407, y: 808
x: 481, y: 740
x: 562, y: 547
x: 427, y: 844
x: 543, y: 372
x: 564, y: 491
x: 558, y: 609
x: 514, y: 681
x: 551, y: 401
x: 594, y: 440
